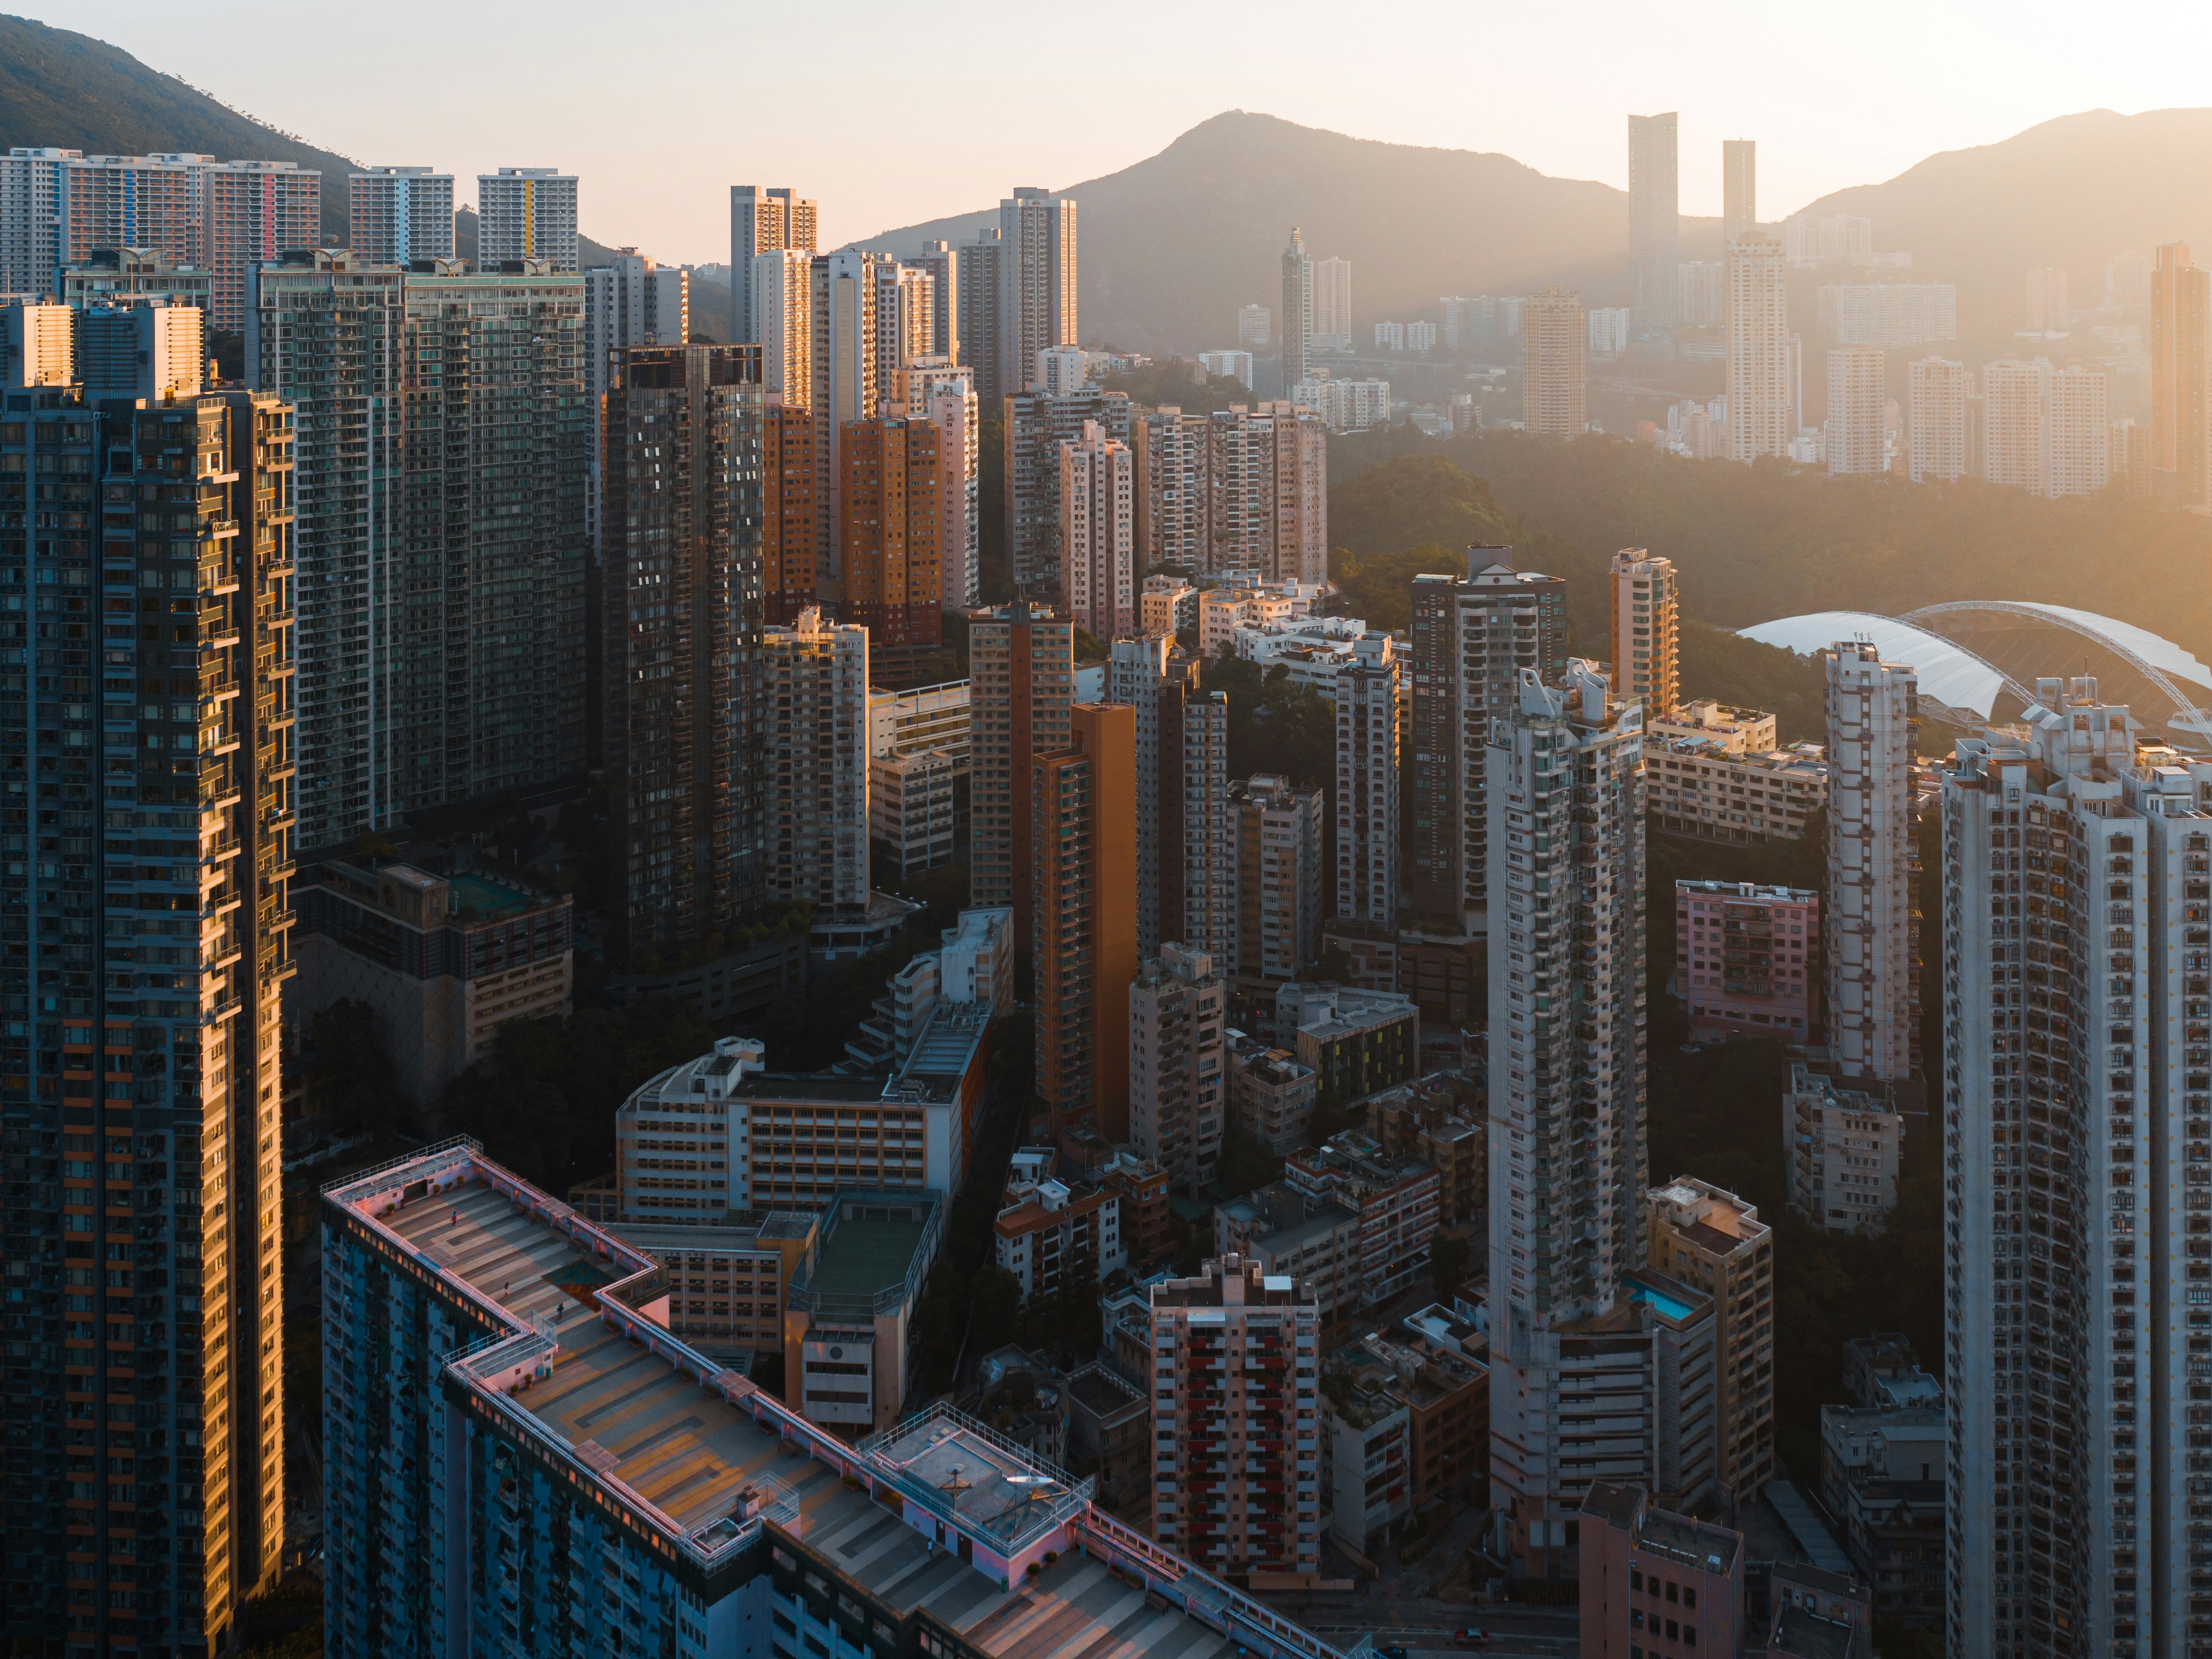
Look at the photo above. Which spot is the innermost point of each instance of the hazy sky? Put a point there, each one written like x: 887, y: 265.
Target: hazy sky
x: 893, y: 113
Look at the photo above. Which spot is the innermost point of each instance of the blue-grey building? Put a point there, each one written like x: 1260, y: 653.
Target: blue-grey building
x: 520, y: 1459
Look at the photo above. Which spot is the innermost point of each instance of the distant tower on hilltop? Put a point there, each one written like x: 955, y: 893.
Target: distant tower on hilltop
x: 1739, y: 187
x: 1298, y: 310
x: 1655, y: 230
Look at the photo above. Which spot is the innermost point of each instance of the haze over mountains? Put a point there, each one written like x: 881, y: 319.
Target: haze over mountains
x: 1174, y: 244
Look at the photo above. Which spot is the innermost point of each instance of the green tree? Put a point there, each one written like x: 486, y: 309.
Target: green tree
x: 994, y: 1304
x: 1451, y: 1258
x: 351, y: 1081
x: 1246, y: 1163
x: 1330, y: 1116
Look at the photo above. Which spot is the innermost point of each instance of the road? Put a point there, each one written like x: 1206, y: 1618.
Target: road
x: 1508, y: 1640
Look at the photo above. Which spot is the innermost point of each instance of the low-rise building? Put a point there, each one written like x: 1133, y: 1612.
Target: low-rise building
x: 1747, y: 959
x: 726, y: 1285
x: 848, y: 1336
x: 1396, y: 1200
x: 1257, y: 604
x: 1289, y: 1234
x: 1167, y: 604
x: 1024, y: 1397
x: 442, y: 961
x: 1047, y: 1230
x: 1841, y: 1144
x: 1109, y: 1431
x: 1405, y: 1427
x: 1882, y: 1474
x: 1655, y: 1583
x: 1143, y: 1187
x: 1813, y: 1614
x: 911, y: 815
x: 1714, y: 772
x: 1438, y: 1119
x: 1357, y: 1042
x: 721, y: 1137
x: 1271, y: 1093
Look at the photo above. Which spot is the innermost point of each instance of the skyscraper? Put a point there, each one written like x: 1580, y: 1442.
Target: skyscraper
x: 682, y: 738
x: 2080, y: 432
x: 146, y: 1485
x: 1242, y: 488
x: 1702, y: 1236
x: 1299, y: 310
x: 1098, y: 534
x: 814, y: 675
x: 1937, y: 419
x: 762, y: 221
x: 1367, y: 801
x: 444, y: 454
x: 979, y: 306
x: 1739, y: 189
x: 1554, y: 342
x: 255, y: 211
x: 791, y: 501
x: 1646, y: 604
x: 2016, y: 406
x: 1472, y: 636
x: 526, y: 213
x: 1021, y: 686
x: 1235, y: 1418
x: 631, y: 302
x: 1036, y: 425
x: 397, y: 215
x: 1762, y: 414
x: 2180, y: 361
x: 486, y: 691
x: 1332, y: 306
x: 2076, y: 997
x: 1084, y: 943
x: 1655, y: 231
x: 891, y: 521
x: 781, y: 299
x: 34, y: 231
x: 1871, y: 921
x: 1279, y: 841
x: 1567, y: 1085
x: 1186, y: 874
x: 940, y: 262
x: 1037, y: 299
x: 1855, y: 392
x: 319, y: 334
x: 844, y: 361
x: 946, y: 397
x: 1178, y: 1097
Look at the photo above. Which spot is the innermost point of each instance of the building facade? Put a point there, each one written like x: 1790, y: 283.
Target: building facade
x: 1036, y: 300
x: 1747, y: 959
x: 762, y: 221
x: 1564, y: 775
x: 683, y: 743
x: 2079, y: 1015
x: 1645, y: 599
x: 1178, y: 1086
x: 1937, y: 419
x: 139, y: 1108
x: 1762, y: 403
x: 1472, y: 636
x: 395, y: 215
x: 1871, y: 944
x: 1555, y: 339
x: 1367, y: 797
x: 1854, y: 438
x: 1842, y: 1143
x: 1299, y: 310
x: 892, y: 523
x: 1236, y: 1396
x: 2180, y: 378
x: 1186, y: 852
x: 1277, y: 833
x: 1037, y: 424
x: 526, y: 213
x: 1655, y: 232
x: 1098, y: 534
x: 814, y: 684
x: 1022, y: 664
x: 1083, y: 863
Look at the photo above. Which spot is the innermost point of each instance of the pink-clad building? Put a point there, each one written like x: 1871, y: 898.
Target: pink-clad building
x: 1746, y: 959
x: 1654, y: 1584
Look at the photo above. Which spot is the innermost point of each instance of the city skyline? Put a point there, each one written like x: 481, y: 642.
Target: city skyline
x: 667, y: 197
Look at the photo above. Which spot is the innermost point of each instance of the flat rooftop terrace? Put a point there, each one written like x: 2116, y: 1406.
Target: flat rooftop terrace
x: 862, y: 1256
x: 475, y: 1234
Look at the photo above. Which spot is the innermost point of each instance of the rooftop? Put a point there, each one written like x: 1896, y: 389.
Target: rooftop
x: 1800, y: 1633
x: 1232, y: 1282
x: 698, y: 1453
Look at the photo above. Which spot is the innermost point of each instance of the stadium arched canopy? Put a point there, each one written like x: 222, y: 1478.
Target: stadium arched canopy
x: 1949, y: 673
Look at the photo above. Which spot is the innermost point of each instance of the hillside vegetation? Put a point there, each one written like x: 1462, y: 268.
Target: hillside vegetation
x: 63, y: 89
x: 1770, y: 540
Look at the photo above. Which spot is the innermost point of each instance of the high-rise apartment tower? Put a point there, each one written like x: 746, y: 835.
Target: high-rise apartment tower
x: 1871, y: 921
x: 2180, y: 363
x: 1021, y: 686
x: 1937, y: 417
x: 1037, y: 287
x: 526, y: 213
x: 1186, y: 874
x: 1655, y: 227
x: 762, y: 221
x: 1367, y: 800
x: 397, y: 215
x: 814, y: 677
x: 1554, y: 345
x: 1647, y: 606
x: 143, y: 1394
x: 1739, y: 188
x: 1298, y: 310
x: 2077, y: 1114
x: 1762, y: 414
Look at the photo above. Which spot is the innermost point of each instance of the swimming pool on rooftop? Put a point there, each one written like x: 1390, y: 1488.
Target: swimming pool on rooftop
x: 1673, y: 1306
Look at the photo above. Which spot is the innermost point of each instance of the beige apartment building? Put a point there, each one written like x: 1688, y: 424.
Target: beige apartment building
x: 1713, y: 772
